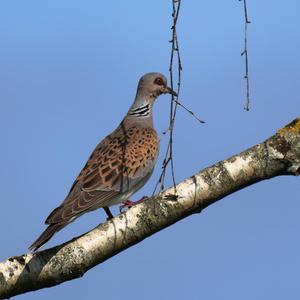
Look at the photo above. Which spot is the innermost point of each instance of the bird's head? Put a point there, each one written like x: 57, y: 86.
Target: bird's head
x: 154, y: 84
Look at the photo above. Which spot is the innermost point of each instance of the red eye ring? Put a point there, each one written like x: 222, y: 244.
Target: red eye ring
x: 159, y: 81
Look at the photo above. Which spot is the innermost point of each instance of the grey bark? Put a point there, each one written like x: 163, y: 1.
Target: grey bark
x: 278, y: 155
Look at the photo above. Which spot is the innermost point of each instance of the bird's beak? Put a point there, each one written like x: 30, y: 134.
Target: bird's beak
x: 168, y: 90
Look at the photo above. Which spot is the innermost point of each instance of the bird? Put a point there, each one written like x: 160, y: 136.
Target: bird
x: 119, y: 166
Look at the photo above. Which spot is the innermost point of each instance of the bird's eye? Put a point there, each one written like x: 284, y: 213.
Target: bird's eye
x: 158, y: 81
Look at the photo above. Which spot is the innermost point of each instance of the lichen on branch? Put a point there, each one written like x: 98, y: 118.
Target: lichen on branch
x: 278, y: 155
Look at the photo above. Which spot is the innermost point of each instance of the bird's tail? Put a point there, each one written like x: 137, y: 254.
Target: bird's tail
x: 47, y: 235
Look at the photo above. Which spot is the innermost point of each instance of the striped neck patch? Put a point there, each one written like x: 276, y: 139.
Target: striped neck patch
x: 141, y: 111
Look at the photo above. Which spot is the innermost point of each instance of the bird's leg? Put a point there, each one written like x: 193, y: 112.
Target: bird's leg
x: 109, y: 214
x: 128, y: 203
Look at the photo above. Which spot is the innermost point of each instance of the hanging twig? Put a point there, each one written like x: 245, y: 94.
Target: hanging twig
x: 245, y: 53
x: 173, y: 105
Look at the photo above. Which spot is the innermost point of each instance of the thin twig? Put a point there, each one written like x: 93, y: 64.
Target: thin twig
x: 173, y: 105
x: 245, y: 53
x: 187, y: 110
x: 173, y: 110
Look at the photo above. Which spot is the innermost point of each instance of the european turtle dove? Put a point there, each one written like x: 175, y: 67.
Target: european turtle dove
x: 119, y: 166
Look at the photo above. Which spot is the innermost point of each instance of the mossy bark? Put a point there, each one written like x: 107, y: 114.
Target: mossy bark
x: 279, y: 155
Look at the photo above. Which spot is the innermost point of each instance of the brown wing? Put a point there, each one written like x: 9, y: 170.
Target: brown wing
x: 116, y: 166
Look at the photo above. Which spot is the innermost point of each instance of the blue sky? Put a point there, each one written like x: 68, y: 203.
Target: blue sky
x: 68, y: 74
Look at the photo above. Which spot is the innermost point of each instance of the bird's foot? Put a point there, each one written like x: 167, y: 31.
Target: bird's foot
x: 128, y: 203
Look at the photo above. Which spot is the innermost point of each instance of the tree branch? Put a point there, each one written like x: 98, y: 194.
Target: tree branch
x: 279, y: 155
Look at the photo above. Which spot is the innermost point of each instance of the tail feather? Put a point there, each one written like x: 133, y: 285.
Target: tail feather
x: 47, y: 235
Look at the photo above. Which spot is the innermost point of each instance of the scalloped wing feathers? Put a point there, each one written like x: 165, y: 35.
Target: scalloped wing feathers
x: 119, y: 166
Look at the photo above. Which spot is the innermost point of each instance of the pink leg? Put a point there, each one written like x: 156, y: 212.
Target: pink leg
x: 128, y: 203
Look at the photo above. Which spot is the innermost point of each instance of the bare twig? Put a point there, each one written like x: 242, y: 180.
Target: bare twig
x: 245, y: 53
x: 175, y: 54
x: 189, y: 111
